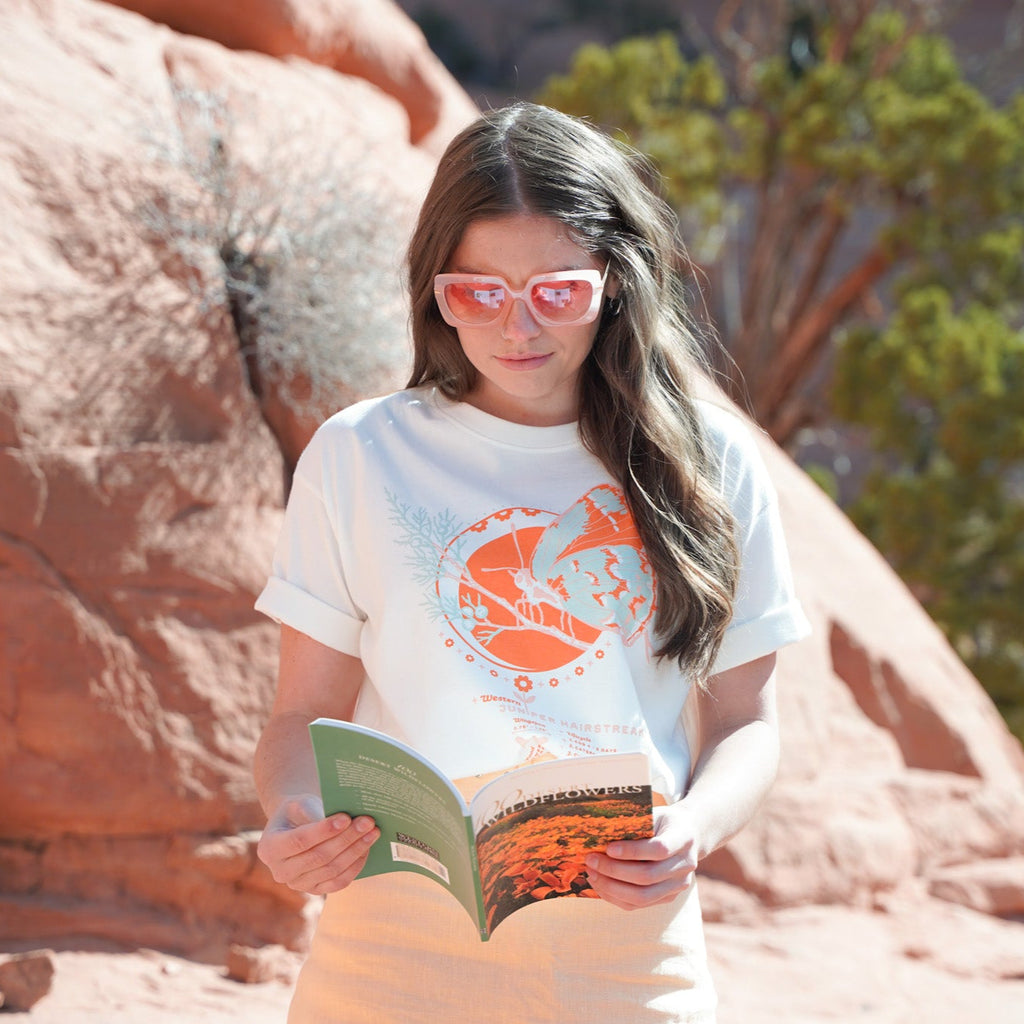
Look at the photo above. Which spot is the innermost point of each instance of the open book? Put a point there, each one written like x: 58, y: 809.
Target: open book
x: 522, y: 838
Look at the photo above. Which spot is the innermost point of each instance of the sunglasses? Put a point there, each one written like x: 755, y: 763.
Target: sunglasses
x: 556, y: 300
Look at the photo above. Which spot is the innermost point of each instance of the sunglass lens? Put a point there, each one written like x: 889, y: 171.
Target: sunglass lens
x: 562, y: 301
x: 475, y: 303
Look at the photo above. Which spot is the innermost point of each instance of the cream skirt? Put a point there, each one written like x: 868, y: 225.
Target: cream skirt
x: 398, y: 949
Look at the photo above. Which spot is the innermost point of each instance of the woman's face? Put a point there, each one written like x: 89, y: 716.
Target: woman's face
x: 528, y: 372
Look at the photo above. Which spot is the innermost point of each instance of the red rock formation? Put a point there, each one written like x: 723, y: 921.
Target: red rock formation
x: 141, y: 484
x: 368, y: 39
x: 895, y: 761
x: 141, y: 456
x: 24, y: 979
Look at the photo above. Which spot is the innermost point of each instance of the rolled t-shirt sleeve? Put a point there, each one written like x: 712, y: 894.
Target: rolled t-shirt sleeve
x: 307, y: 588
x: 766, y: 612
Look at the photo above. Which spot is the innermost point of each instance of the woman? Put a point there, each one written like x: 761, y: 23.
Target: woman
x: 544, y: 546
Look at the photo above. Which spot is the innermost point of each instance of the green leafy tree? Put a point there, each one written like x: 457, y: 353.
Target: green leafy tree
x: 941, y: 391
x: 859, y: 207
x: 804, y: 184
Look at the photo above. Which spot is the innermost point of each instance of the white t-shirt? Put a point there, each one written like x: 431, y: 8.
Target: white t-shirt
x: 492, y: 581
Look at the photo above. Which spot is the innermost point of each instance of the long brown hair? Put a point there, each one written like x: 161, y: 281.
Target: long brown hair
x: 636, y: 407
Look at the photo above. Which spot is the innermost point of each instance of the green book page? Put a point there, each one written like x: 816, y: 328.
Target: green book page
x: 424, y: 822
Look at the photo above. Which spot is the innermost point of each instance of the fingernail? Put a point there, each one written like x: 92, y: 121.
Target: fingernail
x: 592, y: 862
x: 364, y: 825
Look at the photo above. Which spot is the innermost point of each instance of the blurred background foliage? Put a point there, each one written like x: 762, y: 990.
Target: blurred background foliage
x: 853, y: 205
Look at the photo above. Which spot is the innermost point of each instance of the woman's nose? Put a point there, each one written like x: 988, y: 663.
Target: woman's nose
x: 519, y: 322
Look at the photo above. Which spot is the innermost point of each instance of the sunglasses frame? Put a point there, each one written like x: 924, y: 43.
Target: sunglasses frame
x: 595, y: 278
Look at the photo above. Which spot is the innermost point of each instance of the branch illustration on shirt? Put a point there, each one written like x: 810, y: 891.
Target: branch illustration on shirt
x: 531, y: 590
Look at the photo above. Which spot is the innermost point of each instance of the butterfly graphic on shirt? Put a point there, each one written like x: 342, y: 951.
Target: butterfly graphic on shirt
x: 531, y: 590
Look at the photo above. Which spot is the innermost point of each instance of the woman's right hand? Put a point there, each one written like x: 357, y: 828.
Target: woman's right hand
x: 311, y: 853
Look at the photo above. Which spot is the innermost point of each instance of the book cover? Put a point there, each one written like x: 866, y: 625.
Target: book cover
x: 521, y: 839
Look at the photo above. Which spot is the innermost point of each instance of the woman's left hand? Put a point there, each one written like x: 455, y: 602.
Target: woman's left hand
x: 739, y: 744
x: 642, y: 872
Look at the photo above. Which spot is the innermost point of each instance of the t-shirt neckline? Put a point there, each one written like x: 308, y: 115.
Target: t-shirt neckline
x: 505, y: 431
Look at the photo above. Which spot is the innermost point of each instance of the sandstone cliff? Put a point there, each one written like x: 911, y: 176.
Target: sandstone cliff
x: 141, y: 483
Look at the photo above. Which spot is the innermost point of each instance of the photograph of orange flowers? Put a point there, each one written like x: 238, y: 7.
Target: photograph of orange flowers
x: 537, y: 853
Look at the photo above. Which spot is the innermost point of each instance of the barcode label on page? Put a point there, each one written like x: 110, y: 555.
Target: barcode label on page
x: 412, y: 855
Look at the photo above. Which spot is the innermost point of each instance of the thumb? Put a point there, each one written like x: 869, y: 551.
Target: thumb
x: 298, y: 810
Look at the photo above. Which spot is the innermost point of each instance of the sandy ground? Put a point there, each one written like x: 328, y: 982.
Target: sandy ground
x: 151, y: 988
x: 811, y: 965
x: 829, y: 964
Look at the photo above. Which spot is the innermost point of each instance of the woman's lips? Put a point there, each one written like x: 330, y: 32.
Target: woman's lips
x: 524, y: 362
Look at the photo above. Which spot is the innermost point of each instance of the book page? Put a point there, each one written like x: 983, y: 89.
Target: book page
x: 535, y: 825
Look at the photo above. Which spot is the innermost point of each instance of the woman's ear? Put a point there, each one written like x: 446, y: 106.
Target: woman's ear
x: 612, y: 302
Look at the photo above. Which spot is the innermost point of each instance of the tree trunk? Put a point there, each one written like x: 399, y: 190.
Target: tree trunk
x: 796, y: 355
